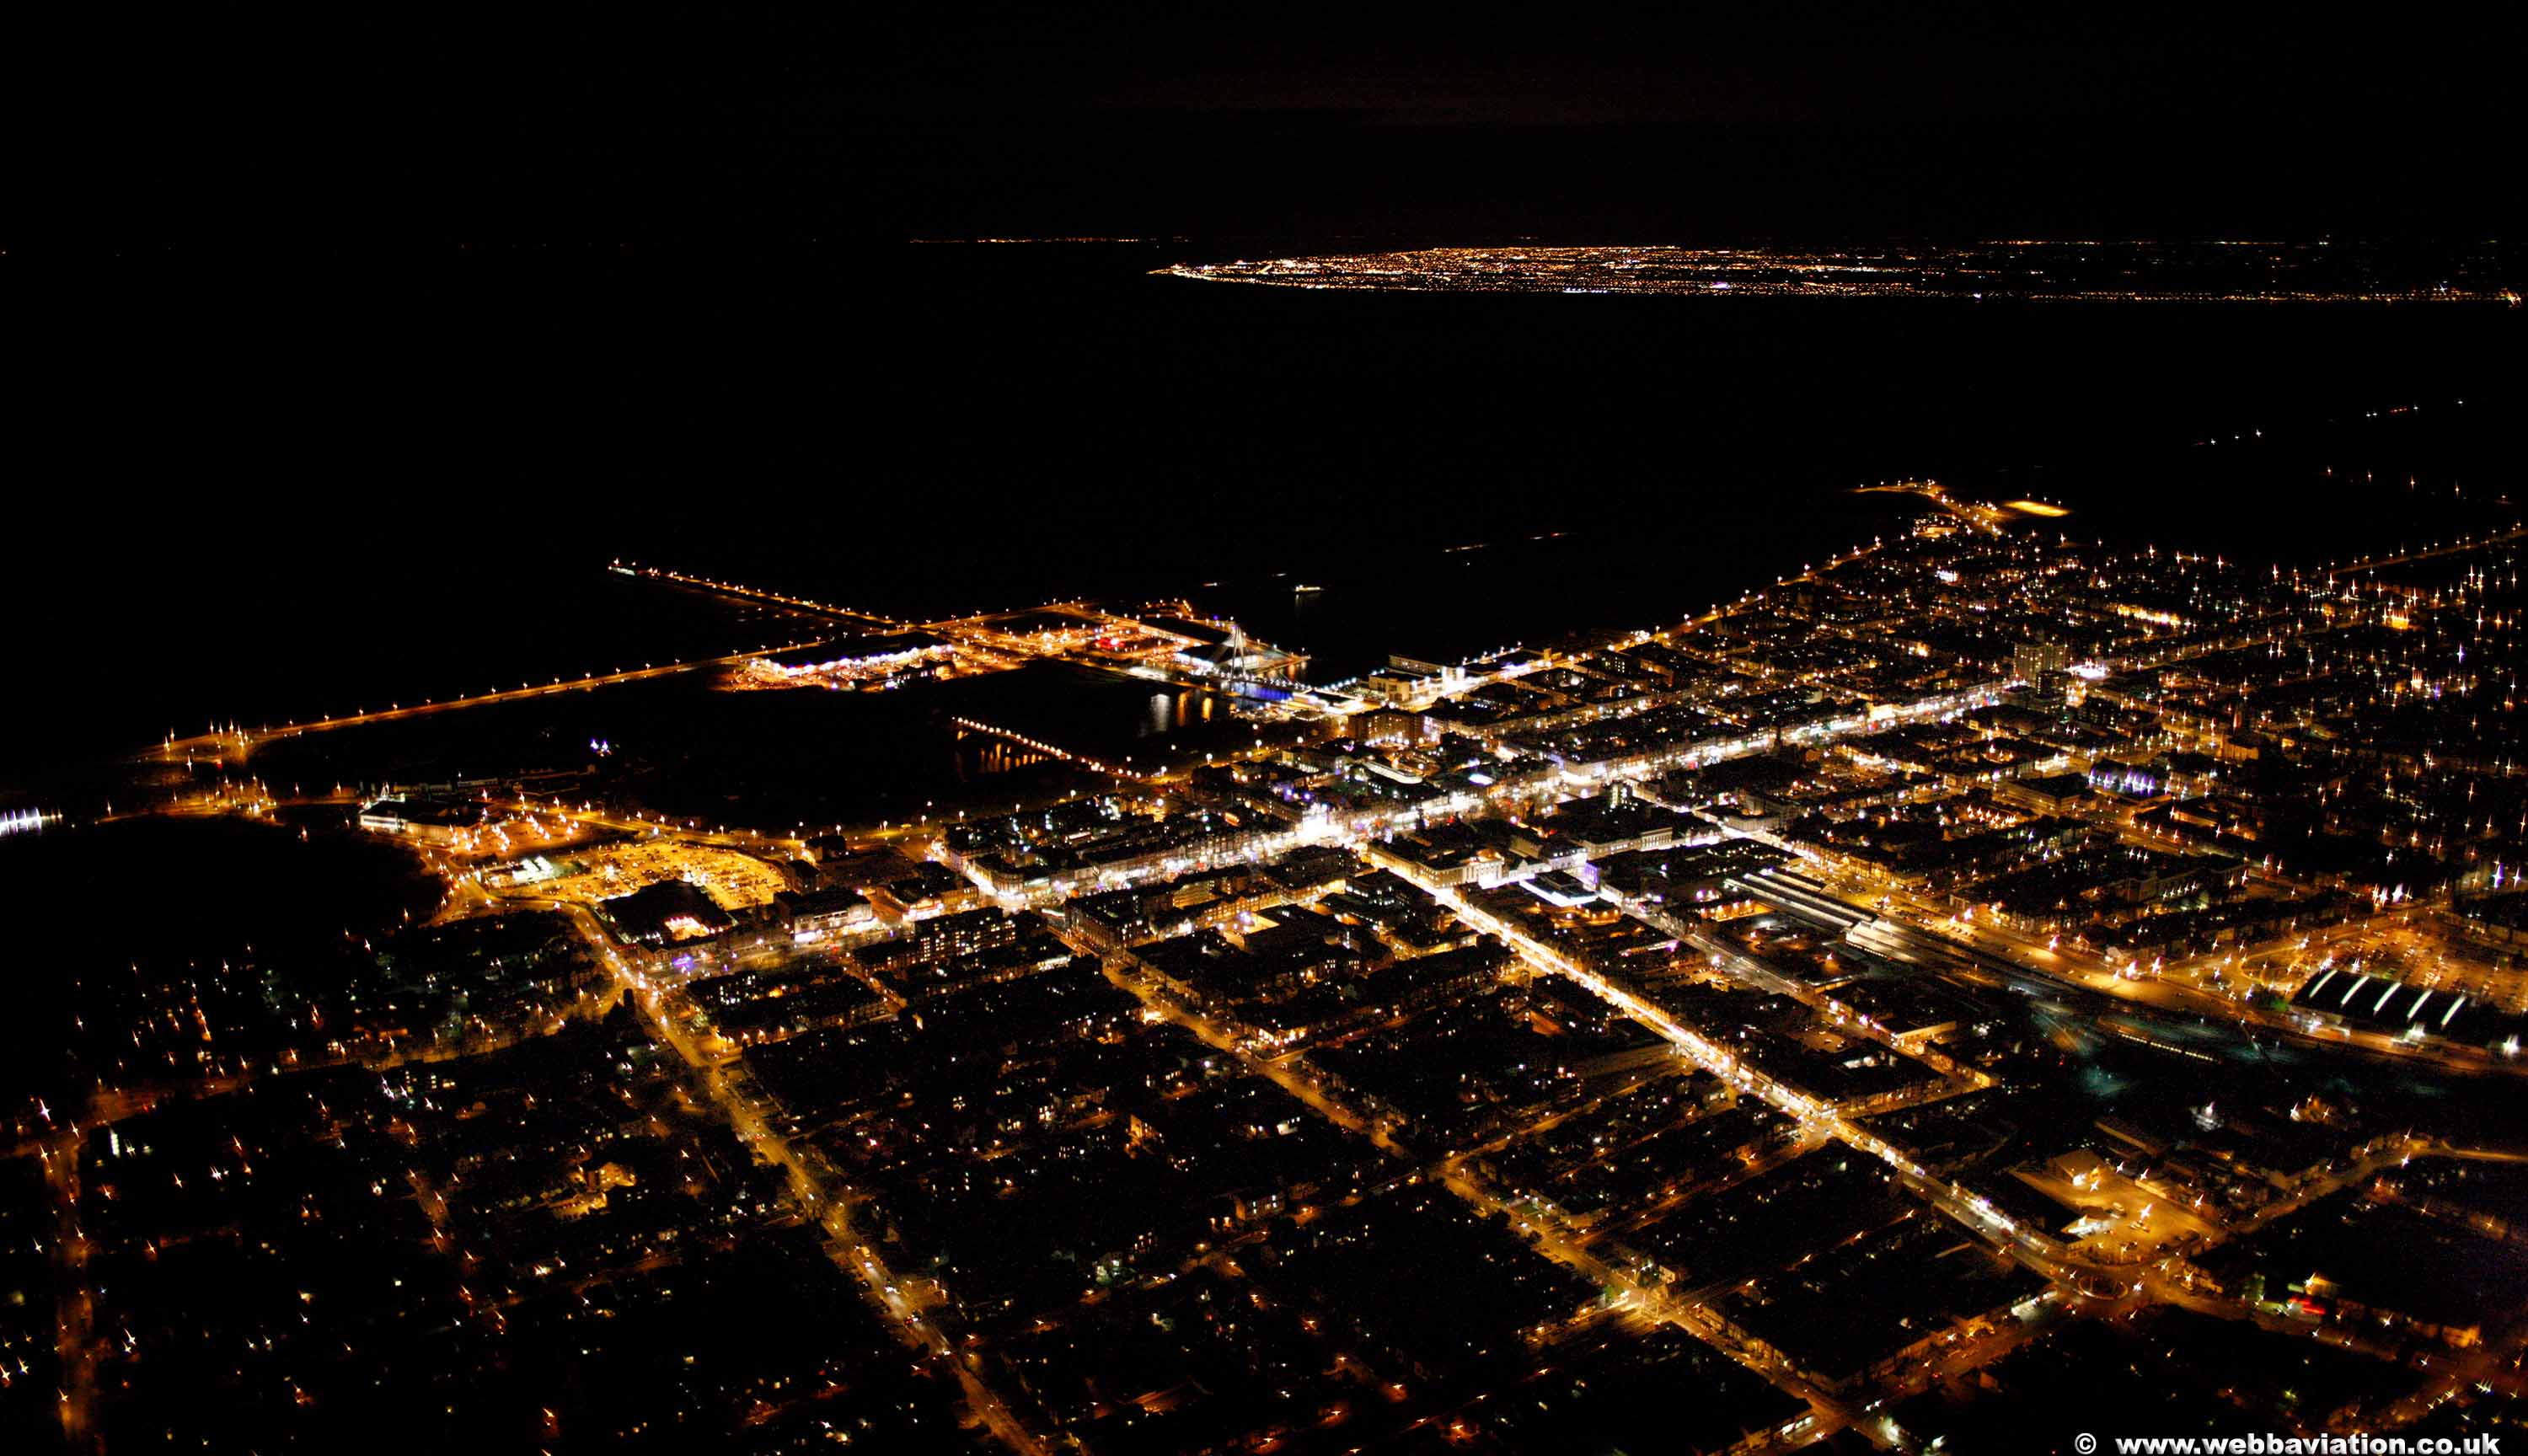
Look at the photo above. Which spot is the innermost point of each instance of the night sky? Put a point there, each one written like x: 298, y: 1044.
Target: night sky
x: 235, y: 128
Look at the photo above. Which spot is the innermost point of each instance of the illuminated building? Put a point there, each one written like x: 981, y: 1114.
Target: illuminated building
x: 851, y: 661
x: 430, y: 823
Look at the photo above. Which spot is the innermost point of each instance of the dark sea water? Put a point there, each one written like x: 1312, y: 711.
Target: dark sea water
x: 307, y: 489
x: 1050, y: 420
x: 681, y: 747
